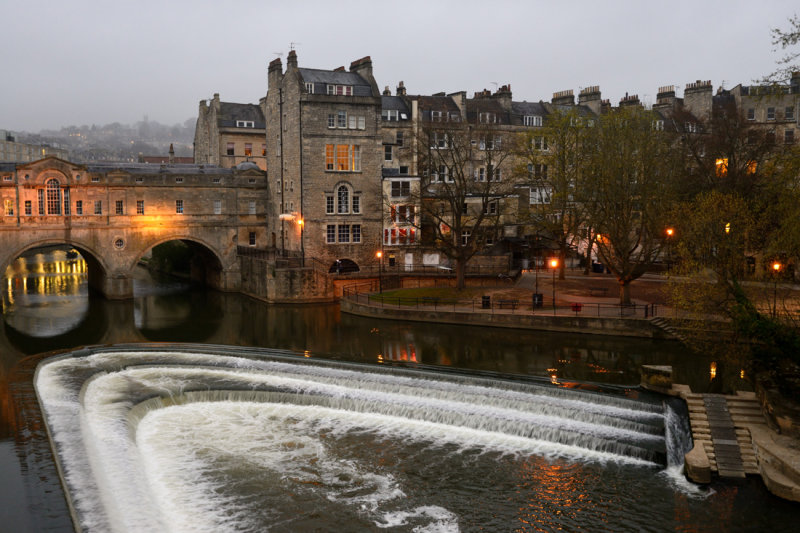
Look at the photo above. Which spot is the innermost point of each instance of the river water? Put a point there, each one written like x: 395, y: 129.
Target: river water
x: 300, y: 439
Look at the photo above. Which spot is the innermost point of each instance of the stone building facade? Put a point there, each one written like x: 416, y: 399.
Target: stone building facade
x: 325, y: 154
x: 228, y: 133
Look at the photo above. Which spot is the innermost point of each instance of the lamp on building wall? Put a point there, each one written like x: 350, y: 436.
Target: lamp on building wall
x: 554, y: 265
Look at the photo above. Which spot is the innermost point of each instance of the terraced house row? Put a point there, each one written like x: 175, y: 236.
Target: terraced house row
x: 353, y: 170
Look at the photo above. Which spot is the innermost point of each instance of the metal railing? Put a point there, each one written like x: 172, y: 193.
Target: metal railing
x: 365, y: 294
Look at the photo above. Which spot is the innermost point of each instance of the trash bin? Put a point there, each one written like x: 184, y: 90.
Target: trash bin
x: 486, y: 302
x: 577, y: 307
x: 538, y: 299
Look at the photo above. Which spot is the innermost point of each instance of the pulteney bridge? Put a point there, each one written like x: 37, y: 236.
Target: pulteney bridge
x: 113, y: 214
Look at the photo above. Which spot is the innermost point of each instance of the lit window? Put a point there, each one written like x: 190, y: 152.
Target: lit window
x: 140, y: 207
x: 331, y: 234
x: 248, y: 149
x: 118, y: 207
x: 263, y: 149
x: 179, y: 207
x: 8, y: 206
x: 342, y: 157
x: 721, y: 167
x: 28, y: 208
x: 98, y: 207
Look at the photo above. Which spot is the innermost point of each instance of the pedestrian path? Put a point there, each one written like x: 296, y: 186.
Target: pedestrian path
x: 722, y: 424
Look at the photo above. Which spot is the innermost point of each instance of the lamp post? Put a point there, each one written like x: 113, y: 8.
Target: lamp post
x: 379, y: 255
x: 670, y: 232
x: 554, y: 266
x: 776, y: 268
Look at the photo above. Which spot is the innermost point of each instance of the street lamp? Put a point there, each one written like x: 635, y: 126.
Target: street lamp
x: 379, y: 255
x: 670, y: 232
x: 554, y: 266
x: 776, y: 269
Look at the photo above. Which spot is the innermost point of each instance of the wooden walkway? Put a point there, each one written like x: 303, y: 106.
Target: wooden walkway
x: 722, y: 424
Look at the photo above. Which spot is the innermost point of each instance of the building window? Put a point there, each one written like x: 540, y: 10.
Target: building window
x: 788, y: 136
x: 344, y: 233
x: 343, y: 196
x: 331, y: 120
x: 230, y: 149
x: 28, y: 208
x: 342, y: 157
x: 66, y: 201
x: 356, y: 204
x: 341, y: 119
x: 436, y: 116
x: 329, y: 204
x: 216, y: 180
x: 540, y: 195
x: 770, y: 138
x: 118, y: 207
x: 788, y: 113
x: 465, y: 235
x: 263, y: 149
x: 399, y: 138
x: 658, y: 125
x: 487, y: 118
x: 8, y: 205
x: 179, y: 207
x: 340, y: 90
x: 403, y: 170
x: 331, y: 234
x: 140, y: 207
x: 98, y: 207
x: 252, y: 238
x: 481, y: 176
x: 540, y: 143
x: 79, y: 207
x: 387, y: 152
x: 390, y: 114
x: 490, y: 208
x: 53, y: 197
x: 245, y: 124
x: 217, y: 207
x: 751, y: 113
x: 401, y: 189
x: 532, y: 120
x: 251, y: 207
x: 40, y: 197
x: 356, y: 232
x: 770, y: 113
x: 248, y: 149
x: 95, y: 179
x: 439, y: 140
x: 690, y: 127
x: 310, y: 87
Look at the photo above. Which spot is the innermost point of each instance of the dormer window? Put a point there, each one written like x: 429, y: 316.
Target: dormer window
x: 310, y: 87
x: 390, y: 114
x: 340, y: 90
x: 245, y: 124
x: 487, y: 118
x: 532, y: 120
x: 436, y: 116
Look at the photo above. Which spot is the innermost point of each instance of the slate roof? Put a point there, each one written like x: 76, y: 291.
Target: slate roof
x: 394, y: 103
x: 230, y: 112
x: 321, y: 78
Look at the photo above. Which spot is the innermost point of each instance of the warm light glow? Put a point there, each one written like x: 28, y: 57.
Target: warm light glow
x: 776, y: 266
x: 670, y: 232
x: 379, y: 254
x: 752, y: 166
x: 741, y: 374
x: 728, y: 227
x: 301, y: 222
x: 722, y: 167
x: 554, y: 263
x: 713, y: 370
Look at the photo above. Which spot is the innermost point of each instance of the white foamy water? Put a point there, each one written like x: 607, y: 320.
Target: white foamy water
x: 175, y: 441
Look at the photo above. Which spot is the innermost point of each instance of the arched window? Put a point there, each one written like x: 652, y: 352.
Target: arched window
x: 343, y: 195
x: 53, y: 197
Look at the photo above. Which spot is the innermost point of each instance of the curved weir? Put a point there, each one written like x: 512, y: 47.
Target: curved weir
x: 238, y: 440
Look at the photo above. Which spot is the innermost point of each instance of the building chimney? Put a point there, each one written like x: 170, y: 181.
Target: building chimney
x: 590, y: 97
x: 171, y: 154
x: 563, y: 98
x: 387, y: 91
x: 401, y: 89
x: 291, y: 60
x: 630, y: 101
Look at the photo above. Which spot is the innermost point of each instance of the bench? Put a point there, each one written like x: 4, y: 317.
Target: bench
x: 598, y: 291
x: 508, y: 303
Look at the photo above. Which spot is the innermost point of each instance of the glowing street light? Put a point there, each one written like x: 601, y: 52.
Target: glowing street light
x: 670, y: 232
x: 554, y: 265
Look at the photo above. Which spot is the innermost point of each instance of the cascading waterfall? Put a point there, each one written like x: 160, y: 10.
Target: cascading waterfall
x: 155, y: 440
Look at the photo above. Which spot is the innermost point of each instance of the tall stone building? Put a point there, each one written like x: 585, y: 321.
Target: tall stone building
x: 229, y: 133
x: 325, y: 155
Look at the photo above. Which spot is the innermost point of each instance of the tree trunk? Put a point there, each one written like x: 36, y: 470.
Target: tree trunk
x: 562, y: 264
x: 588, y: 267
x: 624, y: 292
x: 461, y: 267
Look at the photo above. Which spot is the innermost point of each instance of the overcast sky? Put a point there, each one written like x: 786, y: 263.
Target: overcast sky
x: 96, y: 62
